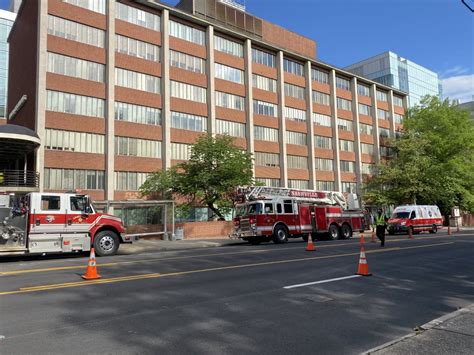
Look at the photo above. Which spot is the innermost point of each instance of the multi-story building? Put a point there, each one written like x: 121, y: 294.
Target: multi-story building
x: 14, y: 5
x: 397, y: 72
x: 6, y: 22
x: 119, y: 89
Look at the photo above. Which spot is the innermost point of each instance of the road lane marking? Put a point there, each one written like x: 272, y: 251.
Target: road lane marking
x: 189, y: 272
x: 120, y: 263
x: 322, y: 281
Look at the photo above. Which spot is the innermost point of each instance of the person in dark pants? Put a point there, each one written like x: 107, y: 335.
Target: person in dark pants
x: 381, y: 225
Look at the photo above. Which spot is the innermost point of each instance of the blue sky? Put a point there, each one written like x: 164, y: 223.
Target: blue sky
x: 438, y: 34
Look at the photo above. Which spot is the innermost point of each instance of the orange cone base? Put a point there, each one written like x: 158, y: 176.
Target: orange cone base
x: 362, y: 274
x: 310, y: 247
x: 91, y: 275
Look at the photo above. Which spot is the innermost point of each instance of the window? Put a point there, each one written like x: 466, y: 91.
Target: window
x: 228, y: 73
x: 180, y: 151
x: 382, y: 114
x: 138, y: 114
x: 268, y: 208
x: 74, y: 141
x: 320, y: 76
x: 129, y: 180
x: 137, y: 81
x: 93, y: 5
x: 264, y: 83
x: 295, y: 114
x: 234, y: 129
x: 298, y: 184
x: 78, y: 203
x: 293, y: 67
x: 227, y: 46
x: 366, y: 129
x: 188, y: 92
x: 344, y: 125
x: 384, y: 132
x: 324, y: 164
x: 264, y: 108
x: 325, y: 185
x: 344, y: 104
x: 320, y: 98
x: 382, y: 96
x: 322, y: 120
x: 347, y: 166
x: 367, y: 148
x: 297, y: 162
x: 397, y: 118
x: 187, y: 33
x: 76, y: 32
x: 385, y: 151
x: 189, y: 122
x: 76, y: 68
x: 343, y: 83
x: 136, y: 147
x: 75, y: 104
x: 346, y: 146
x: 230, y: 101
x: 137, y: 17
x: 367, y: 168
x: 50, y: 203
x: 294, y: 91
x: 136, y: 48
x: 349, y: 187
x: 287, y: 205
x: 296, y: 138
x: 187, y: 62
x: 364, y: 109
x: 323, y: 142
x: 264, y: 58
x: 267, y: 159
x: 397, y: 101
x: 269, y: 182
x: 265, y: 133
x: 363, y: 90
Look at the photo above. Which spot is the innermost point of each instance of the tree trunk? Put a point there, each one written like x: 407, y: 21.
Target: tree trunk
x: 216, y: 211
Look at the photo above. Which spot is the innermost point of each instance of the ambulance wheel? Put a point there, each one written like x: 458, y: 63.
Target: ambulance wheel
x: 334, y: 232
x: 346, y: 231
x: 280, y: 235
x: 106, y: 243
x: 434, y: 229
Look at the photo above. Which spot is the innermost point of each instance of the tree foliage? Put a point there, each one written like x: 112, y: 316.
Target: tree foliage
x: 432, y: 162
x: 208, y: 178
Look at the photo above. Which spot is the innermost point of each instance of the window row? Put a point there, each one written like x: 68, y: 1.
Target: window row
x: 267, y: 159
x: 297, y: 92
x: 187, y: 62
x: 129, y: 180
x: 382, y: 96
x: 137, y: 81
x: 136, y: 48
x: 76, y: 68
x: 367, y: 148
x: 343, y: 83
x: 363, y: 90
x: 264, y: 108
x: 320, y: 76
x: 136, y: 147
x: 382, y: 114
x: 325, y: 185
x: 348, y: 187
x: 367, y: 168
x: 187, y: 33
x: 297, y: 162
x: 268, y: 182
x: 364, y: 109
x: 322, y: 120
x: 74, y: 141
x: 344, y: 104
x: 346, y: 146
x: 366, y: 129
x: 264, y: 58
x: 320, y: 98
x: 234, y: 129
x: 180, y: 151
x: 296, y: 138
x: 347, y: 166
x: 189, y: 122
x: 265, y: 134
x: 293, y: 67
x: 324, y: 164
x: 188, y: 92
x: 322, y: 142
x: 137, y: 17
x: 295, y: 114
x: 397, y: 118
x: 71, y: 179
x: 298, y: 184
x: 264, y: 83
x: 345, y: 125
x: 92, y: 5
x: 228, y: 73
x: 397, y: 101
x: 75, y: 104
x: 138, y: 114
x: 76, y: 31
x: 227, y: 46
x: 230, y: 101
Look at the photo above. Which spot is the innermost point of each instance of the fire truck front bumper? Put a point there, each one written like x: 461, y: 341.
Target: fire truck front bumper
x: 238, y: 234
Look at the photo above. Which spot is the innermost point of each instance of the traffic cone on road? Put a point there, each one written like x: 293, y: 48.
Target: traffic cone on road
x: 91, y: 272
x: 362, y: 241
x: 310, y: 245
x: 373, y: 237
x: 363, y: 268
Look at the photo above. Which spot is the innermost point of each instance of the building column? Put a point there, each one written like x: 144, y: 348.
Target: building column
x: 110, y: 106
x: 310, y: 127
x: 211, y: 82
x: 165, y: 91
x: 373, y: 96
x: 249, y: 99
x: 282, y: 120
x: 42, y: 65
x: 335, y: 132
x: 391, y: 111
x: 356, y: 124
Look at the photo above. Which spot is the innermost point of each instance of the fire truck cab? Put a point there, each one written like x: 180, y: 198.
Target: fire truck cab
x: 267, y: 213
x: 56, y: 223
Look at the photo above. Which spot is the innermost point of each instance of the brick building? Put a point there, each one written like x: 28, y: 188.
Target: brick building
x: 118, y: 89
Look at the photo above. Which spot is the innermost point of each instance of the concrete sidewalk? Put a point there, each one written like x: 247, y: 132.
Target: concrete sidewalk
x: 450, y: 334
x: 150, y: 246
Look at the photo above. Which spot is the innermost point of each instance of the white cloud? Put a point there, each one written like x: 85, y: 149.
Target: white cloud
x: 457, y: 70
x: 460, y: 87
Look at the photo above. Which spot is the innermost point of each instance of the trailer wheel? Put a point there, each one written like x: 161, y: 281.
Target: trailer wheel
x: 280, y: 235
x: 434, y: 229
x: 106, y: 243
x: 346, y: 231
x: 334, y: 232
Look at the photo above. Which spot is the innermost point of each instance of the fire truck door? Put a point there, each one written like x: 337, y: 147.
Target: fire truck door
x: 321, y: 223
x: 78, y: 218
x: 312, y: 211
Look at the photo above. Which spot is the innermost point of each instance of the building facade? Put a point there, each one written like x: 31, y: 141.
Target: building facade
x: 14, y: 5
x: 392, y: 70
x: 119, y: 89
x: 6, y: 22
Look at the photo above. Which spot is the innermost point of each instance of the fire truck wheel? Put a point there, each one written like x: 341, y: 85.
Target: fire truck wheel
x: 280, y: 235
x: 346, y: 231
x: 434, y: 229
x: 334, y: 232
x: 106, y: 243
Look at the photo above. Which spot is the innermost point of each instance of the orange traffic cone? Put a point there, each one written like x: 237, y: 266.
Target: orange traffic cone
x: 310, y: 245
x: 373, y: 237
x: 91, y: 272
x: 362, y: 239
x: 363, y: 268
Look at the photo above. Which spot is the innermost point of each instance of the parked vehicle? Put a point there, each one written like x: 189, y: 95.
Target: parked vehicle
x: 269, y: 213
x: 414, y: 217
x: 57, y: 223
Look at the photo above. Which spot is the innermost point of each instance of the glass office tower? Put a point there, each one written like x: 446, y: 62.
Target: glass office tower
x: 6, y: 22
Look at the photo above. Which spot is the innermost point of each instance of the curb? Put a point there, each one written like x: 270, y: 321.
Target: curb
x: 427, y: 326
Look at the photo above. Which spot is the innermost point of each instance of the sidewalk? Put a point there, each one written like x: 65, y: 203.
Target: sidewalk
x: 150, y: 246
x: 450, y: 334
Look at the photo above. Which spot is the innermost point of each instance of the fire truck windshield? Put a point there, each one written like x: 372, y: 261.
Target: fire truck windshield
x: 255, y: 208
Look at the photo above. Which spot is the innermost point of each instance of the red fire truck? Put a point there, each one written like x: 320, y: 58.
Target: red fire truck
x: 270, y: 213
x: 56, y: 223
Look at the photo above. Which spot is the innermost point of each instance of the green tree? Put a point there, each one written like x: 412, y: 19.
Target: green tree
x: 216, y: 166
x: 431, y: 163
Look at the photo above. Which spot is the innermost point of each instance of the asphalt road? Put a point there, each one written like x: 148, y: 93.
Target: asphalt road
x: 232, y: 300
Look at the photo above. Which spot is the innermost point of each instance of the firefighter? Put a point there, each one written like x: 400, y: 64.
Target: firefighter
x: 381, y: 225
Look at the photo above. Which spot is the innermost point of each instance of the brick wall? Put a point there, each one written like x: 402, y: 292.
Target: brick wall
x: 206, y: 230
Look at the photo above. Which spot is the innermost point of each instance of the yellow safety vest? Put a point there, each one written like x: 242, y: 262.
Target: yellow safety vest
x: 380, y: 220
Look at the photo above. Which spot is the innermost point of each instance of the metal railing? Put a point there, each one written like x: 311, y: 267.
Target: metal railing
x: 19, y: 178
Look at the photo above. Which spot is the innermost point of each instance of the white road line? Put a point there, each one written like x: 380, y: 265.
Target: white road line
x: 322, y: 281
